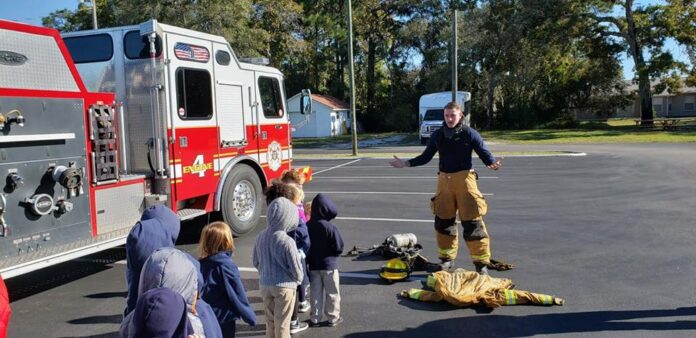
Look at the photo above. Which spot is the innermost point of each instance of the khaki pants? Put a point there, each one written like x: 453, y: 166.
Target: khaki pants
x: 278, y: 304
x: 325, y: 295
x: 458, y: 194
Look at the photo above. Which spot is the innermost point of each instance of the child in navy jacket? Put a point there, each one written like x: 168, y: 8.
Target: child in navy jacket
x: 223, y: 288
x: 327, y: 245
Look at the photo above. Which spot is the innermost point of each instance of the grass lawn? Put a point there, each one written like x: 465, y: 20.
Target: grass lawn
x: 327, y: 141
x: 612, y: 131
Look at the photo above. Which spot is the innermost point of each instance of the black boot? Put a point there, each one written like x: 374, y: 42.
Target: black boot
x: 481, y: 268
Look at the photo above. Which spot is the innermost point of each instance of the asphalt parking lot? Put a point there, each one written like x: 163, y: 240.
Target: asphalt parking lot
x: 611, y: 232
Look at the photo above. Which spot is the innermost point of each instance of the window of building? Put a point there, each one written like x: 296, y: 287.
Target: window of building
x: 271, y: 99
x: 138, y: 47
x: 689, y: 106
x: 194, y: 94
x: 657, y: 108
x: 90, y: 48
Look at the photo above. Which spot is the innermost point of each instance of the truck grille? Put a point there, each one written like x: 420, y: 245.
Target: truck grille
x: 433, y: 128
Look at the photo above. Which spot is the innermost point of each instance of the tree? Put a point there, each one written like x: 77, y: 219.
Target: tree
x: 644, y: 29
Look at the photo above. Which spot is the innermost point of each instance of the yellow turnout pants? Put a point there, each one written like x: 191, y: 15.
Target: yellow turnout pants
x: 458, y: 193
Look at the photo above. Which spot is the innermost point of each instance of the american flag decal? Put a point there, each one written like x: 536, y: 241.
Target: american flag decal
x: 192, y: 53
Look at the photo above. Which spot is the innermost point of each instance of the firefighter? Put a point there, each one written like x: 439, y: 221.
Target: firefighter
x: 457, y: 190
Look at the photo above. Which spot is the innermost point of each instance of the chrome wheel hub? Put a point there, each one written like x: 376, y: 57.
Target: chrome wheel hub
x: 243, y: 200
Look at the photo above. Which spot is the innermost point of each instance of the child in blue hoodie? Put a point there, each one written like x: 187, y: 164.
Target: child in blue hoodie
x: 158, y: 228
x: 223, y: 288
x: 327, y: 245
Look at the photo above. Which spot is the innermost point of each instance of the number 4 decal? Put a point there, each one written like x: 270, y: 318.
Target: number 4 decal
x: 199, y: 166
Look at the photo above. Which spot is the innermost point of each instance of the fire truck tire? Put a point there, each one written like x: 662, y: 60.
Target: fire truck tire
x: 242, y: 200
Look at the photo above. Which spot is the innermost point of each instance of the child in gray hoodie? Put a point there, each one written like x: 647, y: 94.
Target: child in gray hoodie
x: 279, y: 265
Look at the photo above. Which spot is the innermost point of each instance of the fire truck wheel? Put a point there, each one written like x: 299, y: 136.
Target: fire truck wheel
x: 242, y: 200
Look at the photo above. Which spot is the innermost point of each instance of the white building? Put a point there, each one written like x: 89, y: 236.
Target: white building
x: 330, y: 117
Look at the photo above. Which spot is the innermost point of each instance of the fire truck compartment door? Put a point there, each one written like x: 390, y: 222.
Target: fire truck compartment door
x: 194, y: 126
x: 274, y: 153
x: 229, y: 99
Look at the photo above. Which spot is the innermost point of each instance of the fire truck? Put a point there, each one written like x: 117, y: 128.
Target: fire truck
x: 97, y: 125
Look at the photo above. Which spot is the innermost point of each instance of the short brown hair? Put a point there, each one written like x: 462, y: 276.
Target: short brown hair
x: 453, y: 105
x: 215, y: 237
x: 292, y: 176
x: 277, y: 189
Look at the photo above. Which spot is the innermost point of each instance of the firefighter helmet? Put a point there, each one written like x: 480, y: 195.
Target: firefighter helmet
x: 394, y: 270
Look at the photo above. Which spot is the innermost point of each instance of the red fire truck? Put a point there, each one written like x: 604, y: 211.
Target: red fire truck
x: 97, y: 125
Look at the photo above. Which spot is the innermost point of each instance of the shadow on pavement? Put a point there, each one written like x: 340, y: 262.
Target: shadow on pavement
x: 105, y: 335
x: 104, y: 295
x: 109, y: 319
x: 545, y: 324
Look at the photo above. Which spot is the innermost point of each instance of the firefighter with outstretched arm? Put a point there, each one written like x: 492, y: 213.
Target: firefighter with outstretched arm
x: 457, y: 190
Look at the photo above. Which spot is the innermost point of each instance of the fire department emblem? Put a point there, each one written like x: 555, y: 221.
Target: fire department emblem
x: 274, y: 155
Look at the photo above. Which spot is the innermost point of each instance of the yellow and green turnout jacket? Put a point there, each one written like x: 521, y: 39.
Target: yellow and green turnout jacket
x: 465, y: 288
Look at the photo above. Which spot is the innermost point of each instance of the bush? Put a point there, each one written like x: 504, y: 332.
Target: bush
x: 562, y: 122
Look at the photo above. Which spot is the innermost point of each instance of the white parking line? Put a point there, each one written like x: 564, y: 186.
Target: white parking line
x: 344, y: 274
x: 383, y: 166
x: 334, y: 167
x: 385, y: 219
x: 390, y: 177
x: 376, y: 192
x: 379, y: 219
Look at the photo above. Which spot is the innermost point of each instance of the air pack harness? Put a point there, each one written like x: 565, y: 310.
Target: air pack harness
x: 406, y: 247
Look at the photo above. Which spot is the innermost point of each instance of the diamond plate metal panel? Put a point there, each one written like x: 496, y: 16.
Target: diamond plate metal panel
x: 44, y: 69
x: 119, y: 207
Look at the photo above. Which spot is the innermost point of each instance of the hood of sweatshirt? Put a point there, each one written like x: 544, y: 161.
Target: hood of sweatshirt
x: 161, y: 313
x: 282, y: 215
x: 323, y: 208
x: 171, y: 268
x: 158, y: 227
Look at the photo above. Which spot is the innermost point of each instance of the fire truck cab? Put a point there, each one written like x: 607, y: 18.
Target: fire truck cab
x: 188, y: 125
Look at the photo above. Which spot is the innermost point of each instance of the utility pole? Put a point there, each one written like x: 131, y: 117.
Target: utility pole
x: 93, y: 3
x: 354, y: 123
x: 453, y: 45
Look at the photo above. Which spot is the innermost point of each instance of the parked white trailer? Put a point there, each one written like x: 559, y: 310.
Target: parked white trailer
x: 431, y: 110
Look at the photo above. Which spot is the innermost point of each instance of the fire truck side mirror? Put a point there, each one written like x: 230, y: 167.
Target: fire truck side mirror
x: 306, y: 102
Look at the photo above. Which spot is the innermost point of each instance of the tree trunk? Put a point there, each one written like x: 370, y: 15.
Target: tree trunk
x: 490, y: 94
x: 636, y: 51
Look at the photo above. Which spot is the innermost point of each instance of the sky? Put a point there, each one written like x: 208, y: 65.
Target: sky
x: 31, y: 12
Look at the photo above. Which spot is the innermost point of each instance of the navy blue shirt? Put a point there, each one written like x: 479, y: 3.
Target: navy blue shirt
x: 224, y: 290
x: 455, y: 152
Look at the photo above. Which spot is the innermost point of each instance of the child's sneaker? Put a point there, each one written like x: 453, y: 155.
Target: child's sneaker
x: 336, y: 322
x: 304, y: 307
x: 297, y: 326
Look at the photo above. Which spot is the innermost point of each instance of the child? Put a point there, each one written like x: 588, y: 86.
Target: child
x: 296, y: 178
x: 301, y: 237
x: 279, y: 265
x: 223, y: 288
x: 158, y: 228
x: 174, y: 269
x: 161, y: 313
x: 323, y: 267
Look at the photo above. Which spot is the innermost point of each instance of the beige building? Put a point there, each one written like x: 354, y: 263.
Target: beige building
x: 664, y: 104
